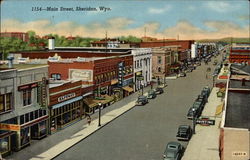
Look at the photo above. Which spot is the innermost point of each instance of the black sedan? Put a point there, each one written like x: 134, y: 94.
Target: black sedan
x: 184, y: 132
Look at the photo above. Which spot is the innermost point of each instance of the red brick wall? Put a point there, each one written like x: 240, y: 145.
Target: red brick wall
x: 53, y: 99
x: 185, y: 44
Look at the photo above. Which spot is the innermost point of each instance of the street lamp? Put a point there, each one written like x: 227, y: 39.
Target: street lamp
x: 99, y: 119
x: 194, y: 120
x: 213, y: 79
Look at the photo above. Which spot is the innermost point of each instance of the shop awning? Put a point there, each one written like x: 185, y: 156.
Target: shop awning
x: 67, y: 102
x: 219, y: 109
x: 114, y: 81
x: 127, y: 88
x: 91, y: 102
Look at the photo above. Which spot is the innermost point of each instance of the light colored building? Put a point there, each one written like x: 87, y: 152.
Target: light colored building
x: 235, y: 124
x: 142, y: 58
x: 23, y: 103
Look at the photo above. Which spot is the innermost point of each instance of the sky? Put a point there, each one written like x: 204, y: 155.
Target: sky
x: 188, y: 19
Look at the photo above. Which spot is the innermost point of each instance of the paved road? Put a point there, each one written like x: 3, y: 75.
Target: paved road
x: 142, y: 133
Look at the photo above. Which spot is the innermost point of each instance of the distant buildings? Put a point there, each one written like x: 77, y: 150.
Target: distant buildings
x: 20, y: 35
x: 240, y: 53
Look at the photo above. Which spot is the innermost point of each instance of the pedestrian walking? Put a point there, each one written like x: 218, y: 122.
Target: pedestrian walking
x: 89, y: 119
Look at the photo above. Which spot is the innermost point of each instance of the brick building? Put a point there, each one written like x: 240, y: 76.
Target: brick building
x: 240, y: 53
x: 101, y: 74
x: 185, y: 44
x: 20, y: 35
x: 65, y: 103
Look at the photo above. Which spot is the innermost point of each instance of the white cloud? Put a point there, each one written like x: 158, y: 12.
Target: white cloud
x: 159, y: 10
x: 119, y: 26
x: 221, y: 6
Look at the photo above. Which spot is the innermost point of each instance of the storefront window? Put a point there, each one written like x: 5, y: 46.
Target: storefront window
x: 67, y: 117
x: 1, y: 103
x: 42, y: 128
x: 25, y: 136
x: 4, y: 144
x: 22, y: 119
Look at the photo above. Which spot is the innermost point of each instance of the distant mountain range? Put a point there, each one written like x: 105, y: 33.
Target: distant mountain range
x: 227, y: 40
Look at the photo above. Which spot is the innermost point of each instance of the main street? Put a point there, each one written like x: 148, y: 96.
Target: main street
x: 143, y: 132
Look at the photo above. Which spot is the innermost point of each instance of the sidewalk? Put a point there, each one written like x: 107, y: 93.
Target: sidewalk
x: 205, y: 143
x: 55, y: 144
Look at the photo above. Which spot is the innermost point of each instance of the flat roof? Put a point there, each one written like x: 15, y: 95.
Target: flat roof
x: 238, y: 84
x: 22, y: 66
x: 244, y: 68
x: 238, y: 110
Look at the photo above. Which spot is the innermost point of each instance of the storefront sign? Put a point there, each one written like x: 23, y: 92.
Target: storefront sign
x: 205, y: 122
x: 43, y: 92
x: 28, y: 86
x: 81, y: 74
x: 66, y: 97
x: 9, y: 127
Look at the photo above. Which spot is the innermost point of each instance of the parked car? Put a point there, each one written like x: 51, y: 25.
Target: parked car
x: 142, y: 100
x: 197, y: 106
x: 206, y: 92
x: 151, y: 94
x: 182, y: 74
x: 184, y: 132
x: 202, y: 99
x: 198, y: 63
x: 173, y: 151
x: 159, y: 90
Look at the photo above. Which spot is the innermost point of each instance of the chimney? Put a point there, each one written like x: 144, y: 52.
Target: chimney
x: 243, y: 82
x: 51, y: 43
x: 10, y: 61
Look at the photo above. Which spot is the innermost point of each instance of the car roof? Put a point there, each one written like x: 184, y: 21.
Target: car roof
x: 173, y: 143
x: 184, y: 126
x: 142, y: 97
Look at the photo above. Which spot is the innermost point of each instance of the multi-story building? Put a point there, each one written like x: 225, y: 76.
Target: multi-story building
x: 106, y: 76
x: 142, y: 58
x: 235, y: 124
x: 165, y: 61
x: 110, y: 43
x: 240, y: 53
x: 20, y: 35
x: 23, y: 101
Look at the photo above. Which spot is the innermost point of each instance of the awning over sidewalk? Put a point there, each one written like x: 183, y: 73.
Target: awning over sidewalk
x: 219, y: 109
x: 114, y: 81
x: 127, y: 88
x: 67, y: 102
x: 91, y: 102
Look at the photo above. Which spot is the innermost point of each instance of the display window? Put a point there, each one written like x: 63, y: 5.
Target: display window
x: 25, y: 136
x: 4, y: 145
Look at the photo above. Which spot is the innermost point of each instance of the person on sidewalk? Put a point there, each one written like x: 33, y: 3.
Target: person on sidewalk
x: 89, y: 119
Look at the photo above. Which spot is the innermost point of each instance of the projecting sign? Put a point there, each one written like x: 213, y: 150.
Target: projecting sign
x: 205, y: 122
x: 81, y: 74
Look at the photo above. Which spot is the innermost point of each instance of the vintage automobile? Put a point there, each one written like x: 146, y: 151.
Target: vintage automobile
x: 173, y: 151
x: 159, y: 90
x: 202, y: 99
x: 205, y: 92
x: 182, y: 74
x: 184, y: 132
x: 195, y: 110
x: 142, y: 100
x: 151, y: 94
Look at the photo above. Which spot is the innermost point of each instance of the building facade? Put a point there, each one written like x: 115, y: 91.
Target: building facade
x: 142, y: 59
x: 240, y: 53
x: 27, y: 118
x: 20, y: 35
x: 65, y: 104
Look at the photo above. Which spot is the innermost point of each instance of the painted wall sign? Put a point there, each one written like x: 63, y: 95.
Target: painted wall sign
x: 81, y: 74
x: 9, y: 127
